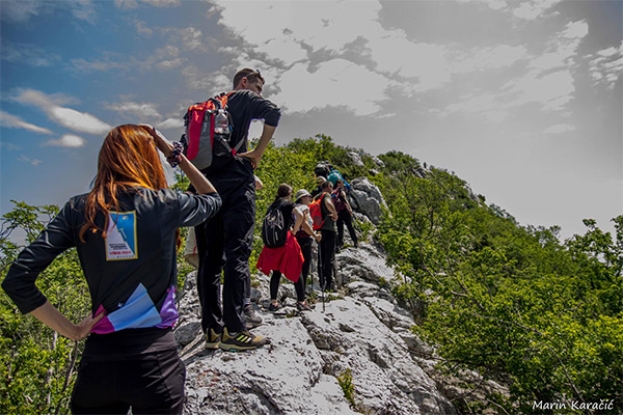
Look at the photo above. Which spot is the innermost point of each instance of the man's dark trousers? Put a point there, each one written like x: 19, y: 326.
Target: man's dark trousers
x: 224, y: 242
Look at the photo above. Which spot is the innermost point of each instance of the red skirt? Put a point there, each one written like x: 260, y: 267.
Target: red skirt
x: 287, y: 259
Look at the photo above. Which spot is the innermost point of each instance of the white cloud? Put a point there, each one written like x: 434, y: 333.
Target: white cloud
x: 27, y: 54
x: 13, y: 121
x: 162, y: 3
x: 39, y: 99
x: 488, y: 58
x: 493, y: 4
x: 171, y: 64
x: 67, y: 140
x: 607, y: 67
x: 559, y: 129
x: 343, y: 84
x: 25, y: 159
x: 485, y: 104
x: 427, y: 63
x: 78, y: 121
x: 329, y: 26
x: 21, y: 11
x: 192, y: 38
x: 171, y: 123
x: 133, y: 4
x: 134, y: 108
x: 532, y: 9
x: 66, y: 117
x: 551, y: 91
x: 103, y: 65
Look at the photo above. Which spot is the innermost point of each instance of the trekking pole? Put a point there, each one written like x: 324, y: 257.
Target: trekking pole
x: 320, y: 279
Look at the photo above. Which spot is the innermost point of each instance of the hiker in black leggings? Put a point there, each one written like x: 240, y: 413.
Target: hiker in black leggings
x: 286, y: 259
x: 328, y: 232
x: 344, y: 214
x: 305, y: 236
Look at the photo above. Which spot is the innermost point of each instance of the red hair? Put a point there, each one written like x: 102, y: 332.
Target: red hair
x: 128, y: 159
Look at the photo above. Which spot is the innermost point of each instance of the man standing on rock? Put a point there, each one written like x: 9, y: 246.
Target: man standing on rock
x: 224, y: 242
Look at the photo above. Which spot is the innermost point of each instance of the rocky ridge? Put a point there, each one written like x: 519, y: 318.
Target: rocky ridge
x: 354, y: 355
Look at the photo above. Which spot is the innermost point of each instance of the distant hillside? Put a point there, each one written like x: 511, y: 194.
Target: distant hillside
x: 511, y: 302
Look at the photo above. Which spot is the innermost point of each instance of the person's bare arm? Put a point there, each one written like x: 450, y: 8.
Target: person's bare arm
x: 331, y: 207
x: 201, y: 184
x: 255, y: 155
x: 51, y: 317
x: 309, y: 229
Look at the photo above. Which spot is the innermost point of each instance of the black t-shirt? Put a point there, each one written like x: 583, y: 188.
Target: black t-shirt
x: 244, y: 106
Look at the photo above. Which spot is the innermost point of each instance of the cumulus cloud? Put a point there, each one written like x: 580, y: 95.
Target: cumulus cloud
x: 67, y: 117
x: 67, y: 140
x: 13, y: 121
x: 343, y: 84
x: 78, y: 121
x: 141, y: 110
x: 311, y: 42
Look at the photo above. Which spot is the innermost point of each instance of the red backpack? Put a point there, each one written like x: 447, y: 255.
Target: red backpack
x: 315, y: 212
x: 208, y: 131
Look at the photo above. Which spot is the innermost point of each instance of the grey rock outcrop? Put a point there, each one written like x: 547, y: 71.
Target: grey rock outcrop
x: 361, y: 331
x: 356, y: 159
x: 367, y: 199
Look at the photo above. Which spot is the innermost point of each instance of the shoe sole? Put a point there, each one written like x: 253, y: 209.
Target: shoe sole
x: 213, y: 346
x: 236, y: 348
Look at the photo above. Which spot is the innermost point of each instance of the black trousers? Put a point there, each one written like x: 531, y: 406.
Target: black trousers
x: 327, y: 255
x: 306, y: 248
x: 135, y: 368
x: 345, y: 218
x: 275, y: 279
x: 224, y: 243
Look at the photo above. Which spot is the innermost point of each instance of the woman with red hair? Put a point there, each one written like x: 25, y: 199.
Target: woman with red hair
x: 126, y: 233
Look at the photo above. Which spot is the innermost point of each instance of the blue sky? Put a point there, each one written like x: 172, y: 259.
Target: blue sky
x: 522, y: 99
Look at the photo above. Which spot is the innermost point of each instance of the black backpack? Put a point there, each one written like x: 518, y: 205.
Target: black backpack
x: 274, y: 232
x: 323, y: 168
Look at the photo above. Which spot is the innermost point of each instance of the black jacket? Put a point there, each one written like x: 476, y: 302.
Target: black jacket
x: 131, y: 273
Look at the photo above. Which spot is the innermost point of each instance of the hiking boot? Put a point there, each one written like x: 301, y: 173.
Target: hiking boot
x: 252, y: 319
x: 274, y: 307
x: 213, y: 339
x: 303, y: 306
x: 241, y: 341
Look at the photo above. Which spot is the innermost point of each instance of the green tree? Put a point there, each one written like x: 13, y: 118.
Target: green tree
x: 37, y: 366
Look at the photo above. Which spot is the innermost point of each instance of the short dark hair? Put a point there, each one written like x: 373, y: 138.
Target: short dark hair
x: 284, y: 190
x: 251, y: 74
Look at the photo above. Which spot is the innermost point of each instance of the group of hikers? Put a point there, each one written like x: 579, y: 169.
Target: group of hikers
x: 292, y: 256
x: 126, y: 232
